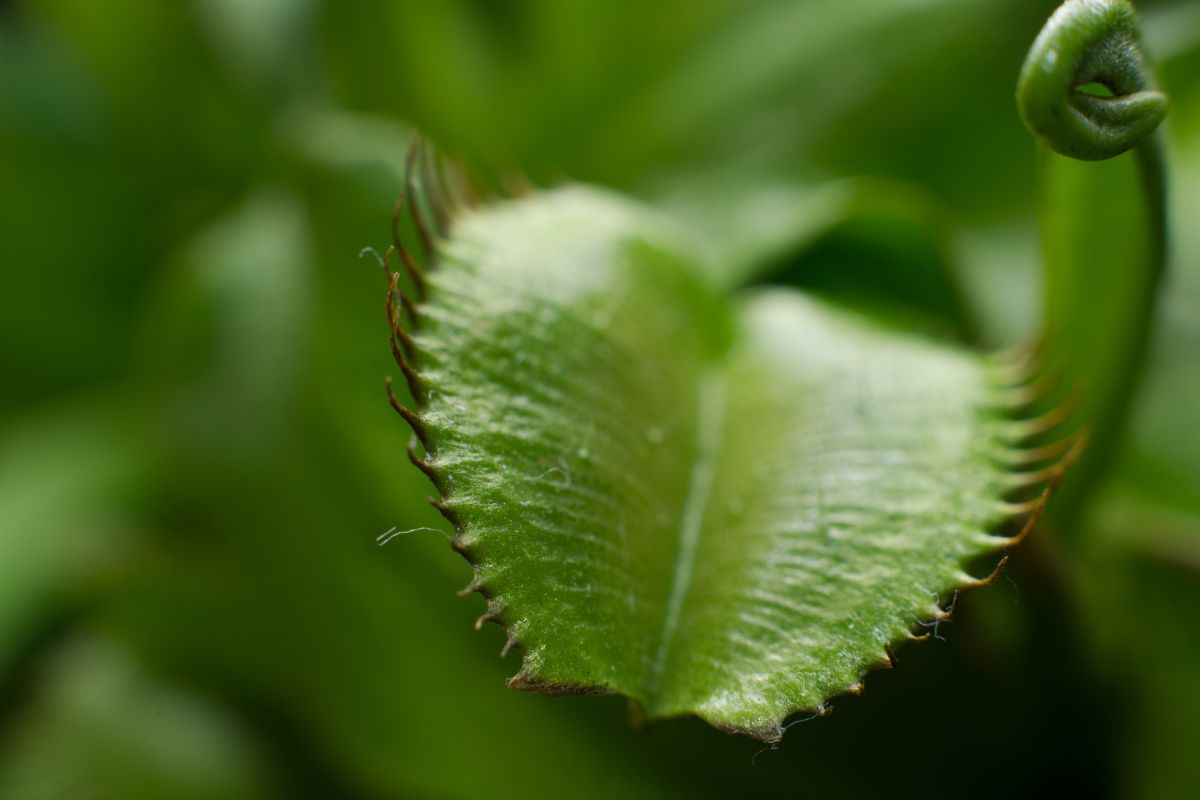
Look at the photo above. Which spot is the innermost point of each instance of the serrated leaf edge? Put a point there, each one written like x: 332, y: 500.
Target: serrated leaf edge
x: 1037, y: 443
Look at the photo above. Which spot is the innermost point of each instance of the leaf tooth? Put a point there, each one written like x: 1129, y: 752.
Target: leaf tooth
x: 433, y: 185
x: 471, y: 588
x: 425, y: 466
x: 1010, y: 510
x: 434, y: 190
x: 456, y: 182
x: 891, y: 661
x: 411, y: 195
x: 451, y: 517
x: 488, y: 616
x: 1019, y: 431
x: 1031, y: 522
x: 1023, y: 395
x: 415, y: 385
x: 1051, y: 475
x: 393, y: 312
x: 966, y: 581
x: 525, y: 683
x: 462, y: 502
x: 414, y: 421
x: 939, y: 614
x: 509, y: 643
x: 990, y: 542
x: 414, y: 271
x: 949, y: 611
x: 1019, y: 363
x: 1010, y: 398
x: 1033, y: 478
x: 1023, y: 457
x: 406, y: 342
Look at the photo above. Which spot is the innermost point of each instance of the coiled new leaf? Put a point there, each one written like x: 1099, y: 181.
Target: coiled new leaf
x: 1090, y: 42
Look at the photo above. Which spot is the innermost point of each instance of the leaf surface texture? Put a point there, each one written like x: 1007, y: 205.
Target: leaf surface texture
x: 726, y: 506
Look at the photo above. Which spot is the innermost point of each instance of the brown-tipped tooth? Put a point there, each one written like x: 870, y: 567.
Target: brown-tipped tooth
x: 1012, y: 398
x: 434, y: 191
x: 509, y: 643
x: 487, y: 616
x: 1038, y: 455
x: 1019, y: 364
x: 414, y: 205
x: 414, y: 421
x: 1035, y: 516
x: 947, y: 614
x: 397, y: 213
x: 1022, y: 430
x: 415, y: 387
x: 423, y: 465
x: 415, y: 273
x: 456, y: 199
x: 892, y: 661
x: 966, y: 581
x: 406, y: 342
x: 450, y: 516
x: 1009, y: 509
x: 1037, y: 385
x: 390, y: 303
x: 463, y: 187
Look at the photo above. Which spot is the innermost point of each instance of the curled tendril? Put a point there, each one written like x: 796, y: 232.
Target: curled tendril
x: 1090, y: 42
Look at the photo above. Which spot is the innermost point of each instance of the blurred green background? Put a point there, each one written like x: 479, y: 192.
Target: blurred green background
x: 196, y: 455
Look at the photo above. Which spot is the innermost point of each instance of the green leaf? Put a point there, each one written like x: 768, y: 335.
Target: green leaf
x: 66, y: 478
x: 729, y: 506
x: 97, y: 724
x: 874, y: 242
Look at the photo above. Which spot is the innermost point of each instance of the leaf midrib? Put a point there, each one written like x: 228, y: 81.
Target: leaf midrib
x: 712, y: 393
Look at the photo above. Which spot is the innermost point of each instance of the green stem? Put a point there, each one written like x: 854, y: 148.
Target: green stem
x: 1104, y: 226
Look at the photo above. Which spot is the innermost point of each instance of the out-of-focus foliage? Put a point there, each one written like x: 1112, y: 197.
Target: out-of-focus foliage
x: 196, y: 456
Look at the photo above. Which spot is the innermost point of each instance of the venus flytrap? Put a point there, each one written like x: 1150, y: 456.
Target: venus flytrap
x: 731, y: 504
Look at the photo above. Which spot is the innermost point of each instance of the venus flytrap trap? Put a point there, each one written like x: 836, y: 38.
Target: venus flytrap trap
x: 731, y: 504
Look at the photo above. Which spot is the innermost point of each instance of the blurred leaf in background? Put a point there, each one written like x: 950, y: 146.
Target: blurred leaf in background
x: 196, y: 455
